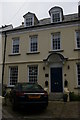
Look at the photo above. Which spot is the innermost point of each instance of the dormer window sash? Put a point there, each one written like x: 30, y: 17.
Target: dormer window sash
x: 55, y: 17
x: 29, y: 21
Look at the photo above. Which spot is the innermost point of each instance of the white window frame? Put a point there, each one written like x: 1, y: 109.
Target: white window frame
x: 54, y: 13
x: 29, y: 20
x: 76, y: 39
x: 11, y: 85
x: 32, y: 41
x: 36, y: 66
x: 55, y: 35
x: 16, y: 43
x: 77, y: 74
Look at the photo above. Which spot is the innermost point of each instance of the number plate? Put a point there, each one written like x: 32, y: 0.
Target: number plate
x: 34, y: 96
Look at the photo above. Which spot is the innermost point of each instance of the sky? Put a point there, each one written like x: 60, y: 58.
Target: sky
x: 12, y: 11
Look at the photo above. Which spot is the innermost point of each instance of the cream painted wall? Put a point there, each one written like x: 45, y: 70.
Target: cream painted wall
x: 71, y: 74
x: 68, y: 45
x: 23, y: 73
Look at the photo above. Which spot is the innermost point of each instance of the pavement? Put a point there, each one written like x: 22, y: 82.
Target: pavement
x: 55, y: 110
x: 0, y: 107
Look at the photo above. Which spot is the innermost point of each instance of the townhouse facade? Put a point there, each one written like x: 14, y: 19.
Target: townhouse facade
x: 46, y: 51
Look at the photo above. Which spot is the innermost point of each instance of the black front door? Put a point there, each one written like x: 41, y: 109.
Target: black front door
x: 56, y: 80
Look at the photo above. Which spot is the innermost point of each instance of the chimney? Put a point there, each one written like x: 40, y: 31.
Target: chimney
x: 22, y: 23
x: 79, y: 9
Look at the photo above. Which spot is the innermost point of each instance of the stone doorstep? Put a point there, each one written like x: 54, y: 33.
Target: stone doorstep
x: 56, y: 96
x: 2, y: 100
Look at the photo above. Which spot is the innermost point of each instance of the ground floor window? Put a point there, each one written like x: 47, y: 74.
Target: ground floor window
x: 13, y: 75
x: 33, y: 73
x: 78, y: 73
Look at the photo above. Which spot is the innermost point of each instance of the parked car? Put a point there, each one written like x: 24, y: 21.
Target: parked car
x: 28, y: 94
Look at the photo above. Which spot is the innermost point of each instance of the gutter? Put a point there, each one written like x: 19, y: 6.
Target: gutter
x: 40, y: 26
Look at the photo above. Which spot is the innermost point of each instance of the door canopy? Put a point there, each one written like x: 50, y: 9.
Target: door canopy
x: 55, y: 58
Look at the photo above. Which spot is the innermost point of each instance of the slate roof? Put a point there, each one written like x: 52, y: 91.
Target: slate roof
x: 67, y: 18
x: 6, y: 27
x: 47, y: 21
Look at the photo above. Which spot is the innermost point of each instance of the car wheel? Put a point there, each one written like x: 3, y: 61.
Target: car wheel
x: 14, y: 106
x: 45, y: 106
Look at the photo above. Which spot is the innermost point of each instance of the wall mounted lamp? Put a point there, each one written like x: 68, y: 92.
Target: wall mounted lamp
x: 43, y: 68
x: 68, y: 67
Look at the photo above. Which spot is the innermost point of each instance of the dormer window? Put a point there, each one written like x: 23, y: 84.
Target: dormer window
x: 30, y: 19
x: 56, y: 14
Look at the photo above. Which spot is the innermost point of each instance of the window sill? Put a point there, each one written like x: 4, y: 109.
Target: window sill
x: 29, y: 53
x: 56, y: 21
x: 10, y: 86
x: 56, y: 51
x: 77, y: 49
x: 14, y: 54
x: 77, y: 87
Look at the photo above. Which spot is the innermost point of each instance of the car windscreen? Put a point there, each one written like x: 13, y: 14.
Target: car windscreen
x: 29, y: 87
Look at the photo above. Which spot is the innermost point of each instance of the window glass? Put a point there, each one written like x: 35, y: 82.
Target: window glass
x: 29, y: 22
x: 33, y: 74
x: 15, y: 45
x: 78, y: 39
x: 13, y: 75
x: 33, y: 44
x: 78, y: 73
x: 56, y: 41
x: 56, y: 17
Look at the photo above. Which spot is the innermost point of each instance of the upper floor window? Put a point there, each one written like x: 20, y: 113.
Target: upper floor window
x: 15, y: 45
x: 78, y: 74
x: 78, y: 39
x: 13, y: 75
x: 34, y: 43
x: 56, y: 41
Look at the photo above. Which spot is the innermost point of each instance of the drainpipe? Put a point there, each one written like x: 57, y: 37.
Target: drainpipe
x: 4, y: 54
x: 79, y: 27
x: 79, y: 9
